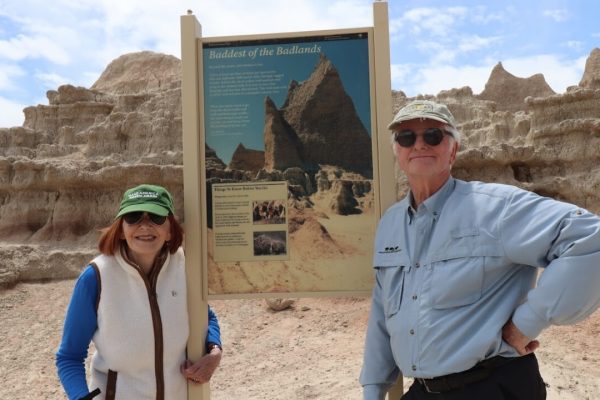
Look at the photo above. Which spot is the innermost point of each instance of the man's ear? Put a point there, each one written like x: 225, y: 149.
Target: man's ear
x: 455, y: 147
x: 393, y: 143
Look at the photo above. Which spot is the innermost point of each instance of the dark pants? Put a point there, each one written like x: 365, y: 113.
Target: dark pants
x: 519, y: 379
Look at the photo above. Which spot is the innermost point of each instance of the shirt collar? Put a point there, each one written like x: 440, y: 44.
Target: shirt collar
x: 434, y: 204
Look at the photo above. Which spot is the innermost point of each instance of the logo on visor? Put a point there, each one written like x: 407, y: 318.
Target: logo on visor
x: 419, y: 107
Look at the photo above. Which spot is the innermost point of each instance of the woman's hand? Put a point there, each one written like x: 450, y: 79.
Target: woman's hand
x: 202, y: 370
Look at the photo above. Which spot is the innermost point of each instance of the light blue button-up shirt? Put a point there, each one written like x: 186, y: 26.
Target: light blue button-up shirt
x: 450, y: 274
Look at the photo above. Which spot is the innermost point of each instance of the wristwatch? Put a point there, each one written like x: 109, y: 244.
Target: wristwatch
x: 211, y: 346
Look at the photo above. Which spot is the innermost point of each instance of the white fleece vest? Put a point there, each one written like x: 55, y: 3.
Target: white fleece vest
x: 125, y: 340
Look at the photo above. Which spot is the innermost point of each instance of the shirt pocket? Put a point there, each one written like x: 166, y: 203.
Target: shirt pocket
x: 391, y: 269
x: 458, y: 271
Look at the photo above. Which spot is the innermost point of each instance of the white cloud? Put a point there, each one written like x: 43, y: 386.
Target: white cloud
x: 353, y: 13
x: 559, y: 15
x: 88, y: 78
x: 52, y: 80
x: 12, y: 113
x: 442, y: 21
x: 574, y: 44
x: 435, y: 78
x: 481, y: 16
x: 443, y: 35
x: 47, y: 32
x: 281, y: 16
x: 136, y: 25
x: 8, y: 73
x: 475, y: 42
x: 21, y: 47
x: 442, y: 52
x: 134, y: 17
x: 399, y: 73
x: 430, y: 21
x: 436, y: 51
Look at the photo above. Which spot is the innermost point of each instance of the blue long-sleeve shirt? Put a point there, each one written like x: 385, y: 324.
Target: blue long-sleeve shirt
x: 450, y: 274
x: 79, y: 327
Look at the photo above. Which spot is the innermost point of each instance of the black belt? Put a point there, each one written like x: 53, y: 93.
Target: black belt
x: 459, y: 380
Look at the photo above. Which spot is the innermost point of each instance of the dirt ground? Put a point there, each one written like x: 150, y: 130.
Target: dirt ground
x: 310, y: 351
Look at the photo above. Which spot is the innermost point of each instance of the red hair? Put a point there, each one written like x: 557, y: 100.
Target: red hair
x: 111, y: 237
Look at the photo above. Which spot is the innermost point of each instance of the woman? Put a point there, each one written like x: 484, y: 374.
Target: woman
x: 131, y: 302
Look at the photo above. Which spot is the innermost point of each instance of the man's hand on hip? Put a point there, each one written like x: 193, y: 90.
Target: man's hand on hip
x: 513, y: 336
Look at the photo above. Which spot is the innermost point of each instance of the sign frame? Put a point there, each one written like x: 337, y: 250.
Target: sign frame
x: 192, y: 89
x: 242, y: 45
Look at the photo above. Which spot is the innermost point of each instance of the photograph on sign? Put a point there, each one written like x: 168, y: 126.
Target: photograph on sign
x: 269, y: 211
x: 289, y: 164
x: 245, y: 226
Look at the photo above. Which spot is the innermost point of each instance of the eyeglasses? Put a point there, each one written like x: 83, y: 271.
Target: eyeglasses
x: 431, y: 136
x: 136, y: 217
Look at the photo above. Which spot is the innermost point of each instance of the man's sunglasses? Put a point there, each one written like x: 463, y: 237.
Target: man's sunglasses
x: 136, y: 217
x: 431, y: 136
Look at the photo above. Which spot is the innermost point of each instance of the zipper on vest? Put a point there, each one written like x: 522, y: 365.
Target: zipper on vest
x: 150, y: 283
x: 158, y: 344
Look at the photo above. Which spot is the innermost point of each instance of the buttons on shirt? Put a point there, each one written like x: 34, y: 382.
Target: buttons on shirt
x: 414, y: 297
x: 417, y: 265
x: 414, y: 367
x: 412, y: 331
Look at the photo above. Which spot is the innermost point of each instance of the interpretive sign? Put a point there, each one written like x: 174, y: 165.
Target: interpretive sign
x: 287, y: 164
x: 289, y: 156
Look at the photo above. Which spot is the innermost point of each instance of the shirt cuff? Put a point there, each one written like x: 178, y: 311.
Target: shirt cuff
x: 210, y: 345
x: 374, y: 392
x: 528, y: 322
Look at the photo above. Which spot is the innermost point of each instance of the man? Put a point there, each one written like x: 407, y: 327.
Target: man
x: 455, y: 304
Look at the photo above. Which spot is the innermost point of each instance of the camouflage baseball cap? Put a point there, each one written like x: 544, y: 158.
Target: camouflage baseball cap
x: 150, y: 198
x: 423, y: 109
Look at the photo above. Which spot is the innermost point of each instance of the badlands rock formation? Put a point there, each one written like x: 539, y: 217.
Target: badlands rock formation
x: 247, y: 159
x: 316, y: 125
x: 509, y: 92
x: 62, y: 173
x: 591, y: 76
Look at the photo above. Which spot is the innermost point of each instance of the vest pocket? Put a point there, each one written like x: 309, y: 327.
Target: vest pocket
x: 111, y: 385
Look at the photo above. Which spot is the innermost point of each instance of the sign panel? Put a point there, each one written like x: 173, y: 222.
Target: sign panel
x: 289, y: 164
x: 249, y: 221
x: 274, y: 136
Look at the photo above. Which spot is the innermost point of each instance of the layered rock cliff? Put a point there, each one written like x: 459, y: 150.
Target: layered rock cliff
x: 62, y: 173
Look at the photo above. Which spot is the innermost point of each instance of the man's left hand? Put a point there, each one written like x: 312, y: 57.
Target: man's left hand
x: 513, y: 336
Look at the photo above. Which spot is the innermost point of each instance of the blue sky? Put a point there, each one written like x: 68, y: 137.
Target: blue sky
x: 435, y: 45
